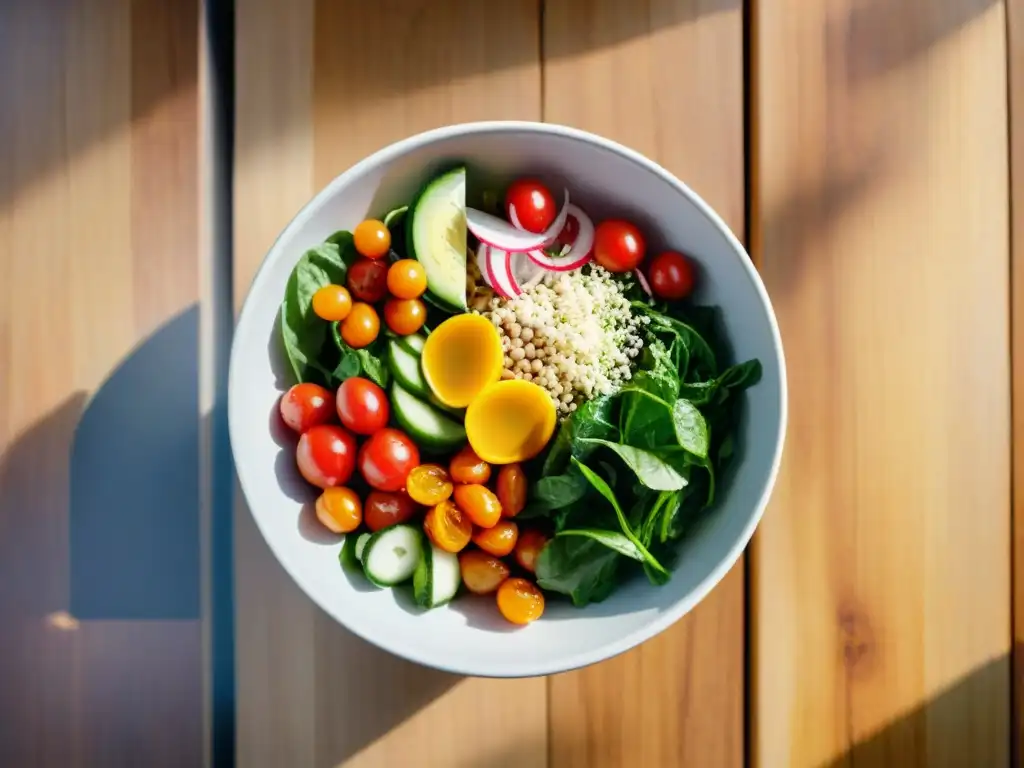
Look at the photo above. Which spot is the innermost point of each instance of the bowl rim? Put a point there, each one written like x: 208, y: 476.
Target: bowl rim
x: 664, y: 618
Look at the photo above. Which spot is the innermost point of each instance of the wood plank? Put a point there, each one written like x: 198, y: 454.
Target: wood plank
x: 666, y: 78
x: 101, y: 653
x: 881, y: 573
x: 347, y: 78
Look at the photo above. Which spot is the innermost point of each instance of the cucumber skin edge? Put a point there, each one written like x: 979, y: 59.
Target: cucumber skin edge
x: 410, y: 227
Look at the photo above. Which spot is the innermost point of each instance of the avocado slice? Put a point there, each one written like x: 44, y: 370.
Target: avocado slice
x: 436, y: 235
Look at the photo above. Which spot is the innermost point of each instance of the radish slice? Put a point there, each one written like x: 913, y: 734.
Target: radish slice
x: 498, y: 233
x: 574, y: 255
x: 526, y: 272
x: 643, y: 282
x: 497, y: 270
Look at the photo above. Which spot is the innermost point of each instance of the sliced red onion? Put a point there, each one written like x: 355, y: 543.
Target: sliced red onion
x: 526, y: 273
x: 643, y: 283
x: 497, y: 271
x: 573, y: 255
x: 498, y: 233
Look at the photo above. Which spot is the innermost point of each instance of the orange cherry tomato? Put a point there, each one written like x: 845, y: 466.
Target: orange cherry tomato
x: 511, y: 489
x: 361, y: 326
x: 339, y: 509
x: 520, y: 601
x: 448, y: 527
x: 479, y: 503
x: 530, y: 544
x: 372, y: 238
x: 429, y: 484
x: 405, y: 316
x: 499, y: 540
x: 481, y: 573
x: 386, y: 508
x: 332, y: 303
x: 467, y: 467
x: 407, y: 279
x: 304, y: 406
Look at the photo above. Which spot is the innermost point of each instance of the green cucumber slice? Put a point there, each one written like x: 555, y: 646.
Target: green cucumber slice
x: 390, y: 555
x: 436, y: 235
x: 413, y: 344
x: 431, y: 428
x: 437, y: 577
x: 405, y: 367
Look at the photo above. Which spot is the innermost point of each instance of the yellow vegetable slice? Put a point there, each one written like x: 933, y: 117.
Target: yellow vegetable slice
x: 461, y: 357
x: 510, y: 421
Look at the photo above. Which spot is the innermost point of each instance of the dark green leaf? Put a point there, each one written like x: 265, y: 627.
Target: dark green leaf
x: 647, y: 419
x: 649, y: 468
x: 368, y: 362
x: 592, y: 419
x: 578, y: 567
x: 560, y: 490
x: 611, y: 539
x: 690, y: 427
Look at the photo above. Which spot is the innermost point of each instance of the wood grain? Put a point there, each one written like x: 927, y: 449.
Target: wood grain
x: 881, y: 573
x: 98, y: 242
x: 348, y: 78
x: 666, y: 78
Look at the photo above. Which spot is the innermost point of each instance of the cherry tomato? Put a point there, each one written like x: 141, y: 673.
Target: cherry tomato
x: 429, y: 484
x: 479, y: 503
x: 481, y: 573
x: 520, y: 601
x: 407, y: 279
x: 511, y: 489
x: 530, y: 544
x: 618, y: 246
x: 361, y: 327
x: 569, y: 232
x: 534, y: 204
x: 304, y: 406
x: 383, y: 509
x: 326, y: 455
x: 467, y: 467
x: 368, y: 280
x: 362, y: 405
x: 386, y: 459
x: 499, y: 540
x: 405, y: 316
x: 339, y: 509
x: 671, y: 275
x: 332, y: 302
x: 448, y: 527
x: 372, y: 238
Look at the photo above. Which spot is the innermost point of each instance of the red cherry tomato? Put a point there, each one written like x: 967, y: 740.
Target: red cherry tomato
x: 671, y: 275
x: 304, y: 406
x: 362, y: 406
x: 618, y: 246
x: 534, y: 204
x: 326, y: 455
x: 368, y: 280
x: 383, y: 509
x: 387, y: 458
x: 569, y: 232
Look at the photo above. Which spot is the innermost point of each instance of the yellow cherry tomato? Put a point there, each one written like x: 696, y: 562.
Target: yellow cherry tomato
x: 511, y: 489
x: 520, y: 601
x: 481, y: 573
x: 528, y: 547
x: 448, y: 527
x: 372, y: 238
x: 361, y: 326
x: 479, y: 503
x: 405, y: 316
x: 407, y: 279
x: 339, y: 509
x: 332, y: 303
x: 499, y: 540
x: 466, y: 467
x: 429, y: 484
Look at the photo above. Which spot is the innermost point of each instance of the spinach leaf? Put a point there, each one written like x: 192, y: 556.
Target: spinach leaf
x: 578, y: 567
x: 560, y: 490
x: 649, y: 468
x: 592, y: 419
x: 368, y: 361
x: 646, y: 418
x: 302, y: 332
x: 611, y: 539
x: 700, y: 358
x: 690, y: 427
x: 602, y: 487
x: 733, y: 379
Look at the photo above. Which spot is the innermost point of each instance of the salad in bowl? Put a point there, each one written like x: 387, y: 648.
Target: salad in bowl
x: 510, y: 401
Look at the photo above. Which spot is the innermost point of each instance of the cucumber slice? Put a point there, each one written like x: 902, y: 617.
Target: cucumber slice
x: 436, y: 235
x: 428, y: 426
x: 405, y: 367
x: 349, y: 554
x: 393, y: 218
x: 413, y: 344
x: 437, y: 577
x: 361, y: 545
x: 390, y: 555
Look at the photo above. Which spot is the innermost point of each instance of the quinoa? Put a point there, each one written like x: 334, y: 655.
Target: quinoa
x: 572, y: 333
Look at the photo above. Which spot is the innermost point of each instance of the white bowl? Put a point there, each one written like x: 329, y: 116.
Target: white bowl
x: 468, y: 636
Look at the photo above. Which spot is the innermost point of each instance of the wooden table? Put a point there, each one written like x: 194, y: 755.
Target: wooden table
x: 861, y: 147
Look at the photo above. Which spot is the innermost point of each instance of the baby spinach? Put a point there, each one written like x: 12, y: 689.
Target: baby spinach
x: 368, y: 361
x: 593, y: 419
x: 579, y: 567
x: 611, y: 539
x: 560, y: 490
x: 690, y: 428
x: 649, y: 468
